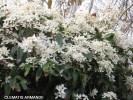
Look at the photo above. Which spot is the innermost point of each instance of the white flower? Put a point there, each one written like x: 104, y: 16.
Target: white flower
x: 81, y: 97
x: 30, y: 60
x: 43, y: 61
x: 129, y: 53
x: 111, y: 95
x: 10, y: 65
x: 130, y: 64
x: 104, y: 49
x: 72, y: 29
x: 78, y: 56
x: 60, y: 91
x: 93, y: 93
x: 106, y: 66
x: 51, y: 26
x: 6, y: 40
x: 32, y: 15
x: 4, y: 51
x: 28, y: 44
x: 129, y: 82
x: 78, y: 96
x: 81, y: 40
x: 123, y: 40
x: 42, y: 46
x: 7, y: 79
x: 75, y: 52
x: 112, y: 78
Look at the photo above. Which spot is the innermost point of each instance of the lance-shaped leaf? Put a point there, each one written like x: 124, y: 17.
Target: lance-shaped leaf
x: 13, y: 83
x: 19, y: 54
x: 24, y: 86
x: 39, y: 73
x: 27, y: 69
x: 98, y: 34
x: 7, y: 89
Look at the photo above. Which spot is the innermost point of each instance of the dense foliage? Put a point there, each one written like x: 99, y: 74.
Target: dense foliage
x: 76, y: 58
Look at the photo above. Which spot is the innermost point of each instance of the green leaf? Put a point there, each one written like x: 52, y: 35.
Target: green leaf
x: 27, y: 70
x: 129, y: 97
x: 46, y: 67
x: 19, y: 54
x: 131, y: 49
x: 59, y: 39
x: 18, y: 88
x: 98, y: 34
x: 67, y: 66
x: 13, y: 72
x: 21, y: 32
x: 13, y: 50
x: 75, y: 77
x: 106, y: 98
x: 67, y: 71
x: 53, y: 62
x: 109, y: 37
x: 39, y: 73
x: 21, y: 79
x: 7, y: 89
x: 13, y: 83
x: 84, y: 79
x: 67, y: 74
x: 24, y: 86
x: 29, y: 32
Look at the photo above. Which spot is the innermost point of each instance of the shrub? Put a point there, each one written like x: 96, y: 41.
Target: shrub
x: 76, y: 58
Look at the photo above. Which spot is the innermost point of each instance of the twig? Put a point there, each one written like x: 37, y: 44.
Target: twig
x: 125, y: 11
x: 91, y: 5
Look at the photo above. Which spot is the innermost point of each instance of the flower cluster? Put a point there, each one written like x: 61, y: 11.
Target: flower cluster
x: 123, y: 41
x: 61, y: 91
x: 31, y: 15
x: 41, y: 46
x: 3, y: 52
x: 129, y: 82
x: 93, y: 93
x: 111, y: 95
x: 81, y: 97
x: 83, y: 52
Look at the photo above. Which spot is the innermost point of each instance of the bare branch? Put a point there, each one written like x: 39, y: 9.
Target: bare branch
x: 126, y: 11
x: 91, y: 5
